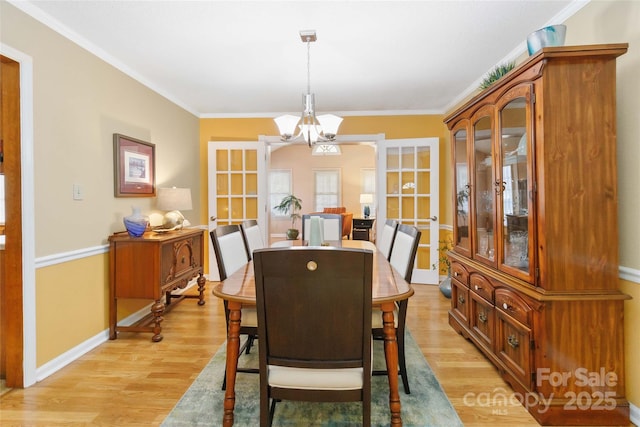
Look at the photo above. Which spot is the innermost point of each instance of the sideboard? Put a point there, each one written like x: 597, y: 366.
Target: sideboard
x: 151, y: 267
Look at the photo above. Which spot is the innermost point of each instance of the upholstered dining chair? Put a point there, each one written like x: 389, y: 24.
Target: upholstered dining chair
x: 332, y: 226
x: 232, y: 254
x: 385, y: 242
x: 252, y: 235
x: 403, y: 254
x: 319, y: 289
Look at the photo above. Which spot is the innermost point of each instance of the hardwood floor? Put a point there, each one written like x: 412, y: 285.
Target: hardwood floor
x: 134, y: 382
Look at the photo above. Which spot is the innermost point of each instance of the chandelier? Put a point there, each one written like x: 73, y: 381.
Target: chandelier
x: 310, y: 128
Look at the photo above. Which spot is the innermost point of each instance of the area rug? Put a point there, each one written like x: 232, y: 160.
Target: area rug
x: 427, y: 405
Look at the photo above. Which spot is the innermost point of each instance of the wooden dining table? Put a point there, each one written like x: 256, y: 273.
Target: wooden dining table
x: 388, y: 288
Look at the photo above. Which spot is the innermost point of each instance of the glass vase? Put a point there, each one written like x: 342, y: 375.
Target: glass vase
x: 136, y: 223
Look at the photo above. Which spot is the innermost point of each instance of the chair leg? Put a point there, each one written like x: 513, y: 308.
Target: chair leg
x: 272, y: 410
x: 402, y: 362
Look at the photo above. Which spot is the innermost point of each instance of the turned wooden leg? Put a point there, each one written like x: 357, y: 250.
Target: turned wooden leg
x: 201, y: 283
x: 391, y: 357
x: 158, y: 310
x: 233, y: 349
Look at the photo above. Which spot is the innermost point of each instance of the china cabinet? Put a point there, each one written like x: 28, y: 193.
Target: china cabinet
x: 535, y: 259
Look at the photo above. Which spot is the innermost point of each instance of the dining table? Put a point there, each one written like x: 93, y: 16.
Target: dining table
x: 388, y: 288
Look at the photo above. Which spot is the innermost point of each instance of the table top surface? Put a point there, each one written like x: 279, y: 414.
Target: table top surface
x: 387, y: 283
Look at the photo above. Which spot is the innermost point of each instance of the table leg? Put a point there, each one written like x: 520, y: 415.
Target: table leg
x: 233, y: 349
x: 201, y: 283
x: 391, y: 357
x: 158, y: 310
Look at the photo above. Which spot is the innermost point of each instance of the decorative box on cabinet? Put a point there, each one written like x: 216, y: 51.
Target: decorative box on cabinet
x: 151, y: 267
x: 535, y: 256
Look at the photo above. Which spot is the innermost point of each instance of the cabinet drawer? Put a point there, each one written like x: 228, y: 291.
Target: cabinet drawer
x: 513, y: 305
x: 460, y: 273
x: 460, y: 301
x: 481, y: 286
x: 482, y: 319
x: 181, y: 259
x: 514, y: 346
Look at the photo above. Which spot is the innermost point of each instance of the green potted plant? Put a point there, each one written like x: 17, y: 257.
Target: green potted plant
x: 444, y: 266
x: 290, y: 205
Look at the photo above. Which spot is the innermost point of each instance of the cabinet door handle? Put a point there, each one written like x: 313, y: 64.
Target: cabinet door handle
x: 513, y: 341
x: 482, y: 316
x: 461, y: 299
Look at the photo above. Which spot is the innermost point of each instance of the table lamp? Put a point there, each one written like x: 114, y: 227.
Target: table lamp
x: 366, y: 199
x: 173, y: 200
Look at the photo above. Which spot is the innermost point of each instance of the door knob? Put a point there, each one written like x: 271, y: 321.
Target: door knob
x: 213, y: 218
x: 433, y: 218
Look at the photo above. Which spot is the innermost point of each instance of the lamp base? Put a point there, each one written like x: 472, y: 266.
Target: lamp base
x: 173, y: 220
x: 367, y: 211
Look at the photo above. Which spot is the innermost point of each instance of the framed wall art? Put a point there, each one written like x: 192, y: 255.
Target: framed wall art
x: 134, y: 167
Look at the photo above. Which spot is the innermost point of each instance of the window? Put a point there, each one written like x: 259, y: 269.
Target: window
x: 327, y: 188
x: 279, y: 187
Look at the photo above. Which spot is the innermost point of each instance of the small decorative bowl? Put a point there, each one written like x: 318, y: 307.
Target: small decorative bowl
x: 548, y: 36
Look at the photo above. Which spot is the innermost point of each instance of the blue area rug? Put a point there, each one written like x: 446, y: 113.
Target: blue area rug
x: 427, y: 405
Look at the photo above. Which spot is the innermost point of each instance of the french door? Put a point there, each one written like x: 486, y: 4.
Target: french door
x: 237, y: 188
x: 408, y: 186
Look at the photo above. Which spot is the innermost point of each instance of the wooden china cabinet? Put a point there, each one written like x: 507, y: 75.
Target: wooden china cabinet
x: 535, y: 260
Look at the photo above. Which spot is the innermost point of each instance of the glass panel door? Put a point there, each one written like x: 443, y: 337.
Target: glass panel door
x: 515, y: 189
x: 235, y: 192
x: 462, y: 184
x: 409, y: 174
x: 484, y: 188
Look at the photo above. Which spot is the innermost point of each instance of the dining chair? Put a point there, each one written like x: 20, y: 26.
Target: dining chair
x: 319, y: 289
x: 385, y: 242
x: 252, y: 235
x: 232, y: 254
x: 402, y: 258
x: 332, y: 226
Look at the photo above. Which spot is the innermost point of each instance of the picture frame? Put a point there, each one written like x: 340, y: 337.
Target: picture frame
x: 134, y: 167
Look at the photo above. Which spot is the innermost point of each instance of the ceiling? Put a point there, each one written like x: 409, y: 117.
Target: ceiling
x: 246, y: 58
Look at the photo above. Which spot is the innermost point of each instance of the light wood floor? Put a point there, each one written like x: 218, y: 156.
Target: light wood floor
x: 134, y: 382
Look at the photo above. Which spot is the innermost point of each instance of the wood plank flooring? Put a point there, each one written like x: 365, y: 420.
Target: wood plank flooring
x: 134, y: 382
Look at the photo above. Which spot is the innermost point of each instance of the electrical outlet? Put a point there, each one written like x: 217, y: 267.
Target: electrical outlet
x: 78, y: 192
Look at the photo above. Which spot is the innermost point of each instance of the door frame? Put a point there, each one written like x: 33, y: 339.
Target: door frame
x: 25, y: 375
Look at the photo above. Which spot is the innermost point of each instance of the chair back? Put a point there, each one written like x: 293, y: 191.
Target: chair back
x: 230, y: 249
x: 252, y: 236
x: 332, y: 226
x: 314, y: 307
x: 404, y: 249
x: 385, y: 242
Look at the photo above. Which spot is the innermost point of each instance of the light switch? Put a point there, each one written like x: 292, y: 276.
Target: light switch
x: 78, y: 192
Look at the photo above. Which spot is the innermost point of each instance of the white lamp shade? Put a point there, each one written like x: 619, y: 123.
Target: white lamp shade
x: 171, y: 199
x: 330, y: 124
x: 287, y: 124
x: 366, y: 198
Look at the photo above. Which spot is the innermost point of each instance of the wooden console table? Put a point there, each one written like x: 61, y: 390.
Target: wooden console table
x: 150, y: 267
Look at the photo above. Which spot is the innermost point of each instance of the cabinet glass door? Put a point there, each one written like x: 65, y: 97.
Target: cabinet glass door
x: 463, y: 188
x: 515, y: 183
x: 484, y: 189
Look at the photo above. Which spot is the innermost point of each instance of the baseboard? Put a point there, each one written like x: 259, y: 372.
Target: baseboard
x: 54, y: 365
x: 634, y: 413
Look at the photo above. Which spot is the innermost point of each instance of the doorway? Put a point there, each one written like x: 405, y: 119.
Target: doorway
x: 11, y: 307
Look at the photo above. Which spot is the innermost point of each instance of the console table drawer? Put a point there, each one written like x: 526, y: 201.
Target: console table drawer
x: 513, y: 305
x: 459, y: 273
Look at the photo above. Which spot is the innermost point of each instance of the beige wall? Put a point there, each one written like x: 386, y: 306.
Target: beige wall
x: 79, y: 101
